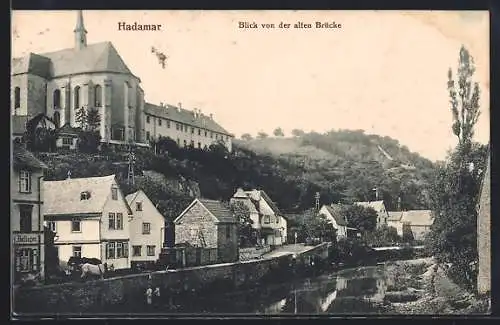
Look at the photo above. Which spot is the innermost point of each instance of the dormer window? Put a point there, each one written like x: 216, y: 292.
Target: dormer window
x: 114, y: 193
x: 85, y: 195
x: 138, y: 206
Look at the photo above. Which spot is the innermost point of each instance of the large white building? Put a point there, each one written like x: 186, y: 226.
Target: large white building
x: 94, y: 76
x: 91, y: 219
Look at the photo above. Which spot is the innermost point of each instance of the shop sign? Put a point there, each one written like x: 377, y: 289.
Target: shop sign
x: 26, y: 239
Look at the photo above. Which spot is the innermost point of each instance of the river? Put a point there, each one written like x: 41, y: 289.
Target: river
x: 358, y: 290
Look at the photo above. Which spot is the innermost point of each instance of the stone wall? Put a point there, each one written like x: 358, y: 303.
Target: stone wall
x: 127, y: 292
x: 194, y: 221
x: 251, y: 253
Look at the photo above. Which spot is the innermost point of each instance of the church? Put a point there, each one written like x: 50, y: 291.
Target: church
x: 94, y: 76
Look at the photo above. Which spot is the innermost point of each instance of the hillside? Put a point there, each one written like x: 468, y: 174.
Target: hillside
x: 289, y: 170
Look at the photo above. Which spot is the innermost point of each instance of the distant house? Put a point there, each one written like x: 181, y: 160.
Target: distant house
x: 484, y: 233
x: 91, y: 219
x: 67, y: 137
x: 208, y: 224
x: 334, y: 215
x: 394, y: 220
x: 266, y: 217
x: 379, y: 207
x: 419, y: 221
x: 147, y: 229
x: 26, y: 205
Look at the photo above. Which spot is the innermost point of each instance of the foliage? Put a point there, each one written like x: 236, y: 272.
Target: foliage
x: 315, y: 226
x: 278, y: 132
x: 455, y: 191
x: 246, y: 136
x: 247, y: 234
x: 81, y: 117
x: 297, y: 132
x: 350, y: 251
x: 360, y: 217
x: 262, y: 135
x: 383, y: 236
x: 89, y: 141
x: 408, y: 233
x: 93, y: 119
x: 40, y: 139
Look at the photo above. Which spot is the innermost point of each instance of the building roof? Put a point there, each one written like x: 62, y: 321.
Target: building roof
x: 131, y: 198
x: 216, y: 209
x: 394, y: 215
x: 24, y: 158
x: 19, y: 124
x: 418, y: 217
x: 185, y: 116
x: 98, y: 57
x: 336, y: 212
x: 63, y: 197
x: 67, y: 129
x: 376, y: 205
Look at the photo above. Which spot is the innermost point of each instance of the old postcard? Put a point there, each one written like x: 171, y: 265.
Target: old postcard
x: 250, y: 163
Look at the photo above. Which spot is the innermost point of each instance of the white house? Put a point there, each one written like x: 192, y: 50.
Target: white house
x: 147, y: 229
x: 333, y: 214
x: 265, y: 215
x: 420, y: 222
x: 379, y: 207
x: 91, y: 218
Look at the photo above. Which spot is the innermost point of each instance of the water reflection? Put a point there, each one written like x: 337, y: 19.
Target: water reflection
x: 350, y: 291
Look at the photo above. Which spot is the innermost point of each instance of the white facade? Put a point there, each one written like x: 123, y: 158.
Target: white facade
x: 341, y: 229
x: 147, y: 228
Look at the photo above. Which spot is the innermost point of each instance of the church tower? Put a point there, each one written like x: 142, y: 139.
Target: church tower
x: 80, y: 32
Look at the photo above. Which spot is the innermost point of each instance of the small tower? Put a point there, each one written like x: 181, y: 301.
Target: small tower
x: 131, y: 163
x: 80, y: 32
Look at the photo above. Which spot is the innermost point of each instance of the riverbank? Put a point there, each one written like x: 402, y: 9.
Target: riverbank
x: 420, y: 286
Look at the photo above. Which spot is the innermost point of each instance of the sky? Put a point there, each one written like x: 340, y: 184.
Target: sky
x: 383, y: 71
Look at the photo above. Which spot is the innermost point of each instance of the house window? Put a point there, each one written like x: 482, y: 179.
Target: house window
x: 199, y: 131
x: 211, y: 135
x: 138, y: 206
x: 147, y: 119
x: 192, y: 130
x: 136, y: 250
x: 67, y: 141
x: 192, y: 143
x: 151, y: 250
x: 277, y: 219
x: 76, y: 225
x: 216, y: 137
x: 97, y: 96
x: 25, y: 214
x: 110, y: 251
x: 199, y: 145
x: 119, y: 249
x: 17, y: 97
x: 147, y: 135
x: 267, y: 219
x: 77, y: 251
x: 159, y: 121
x: 119, y: 221
x: 76, y: 97
x: 52, y: 226
x: 24, y: 181
x: 168, y: 124
x: 185, y: 143
x: 114, y: 193
x: 84, y: 196
x: 111, y: 221
x: 23, y: 260
x: 146, y: 228
x: 177, y: 126
x: 228, y: 231
x: 178, y: 142
x: 57, y: 98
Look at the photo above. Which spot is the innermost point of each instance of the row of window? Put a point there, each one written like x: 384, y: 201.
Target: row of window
x: 115, y: 222
x: 267, y: 219
x: 97, y: 92
x: 26, y: 260
x: 114, y: 249
x: 184, y: 127
x: 150, y: 250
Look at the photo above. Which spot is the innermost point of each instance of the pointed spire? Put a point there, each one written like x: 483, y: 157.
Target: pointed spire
x: 80, y: 32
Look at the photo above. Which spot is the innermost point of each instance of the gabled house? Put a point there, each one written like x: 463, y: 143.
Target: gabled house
x: 208, y: 224
x: 379, y: 207
x: 26, y: 205
x: 67, y: 137
x: 419, y: 221
x: 333, y: 214
x: 147, y: 229
x: 266, y: 217
x: 91, y: 218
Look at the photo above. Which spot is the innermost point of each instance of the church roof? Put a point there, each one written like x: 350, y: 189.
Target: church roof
x: 185, y: 116
x: 98, y: 57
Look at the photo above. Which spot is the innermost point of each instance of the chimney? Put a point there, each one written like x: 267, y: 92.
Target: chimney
x: 179, y: 107
x: 211, y: 116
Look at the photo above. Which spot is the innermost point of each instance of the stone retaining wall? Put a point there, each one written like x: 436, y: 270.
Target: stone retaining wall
x: 252, y: 252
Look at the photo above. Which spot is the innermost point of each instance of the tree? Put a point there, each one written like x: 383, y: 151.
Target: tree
x: 278, y: 132
x: 316, y: 226
x: 247, y: 233
x: 297, y: 132
x: 360, y: 217
x: 408, y: 236
x: 464, y: 99
x: 262, y: 135
x: 455, y: 191
x: 93, y: 119
x: 246, y: 136
x: 81, y: 117
x: 383, y: 236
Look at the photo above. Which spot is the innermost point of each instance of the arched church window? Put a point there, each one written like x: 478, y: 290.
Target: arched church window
x: 76, y: 98
x: 17, y: 97
x: 57, y: 119
x: 57, y: 98
x: 98, y: 96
